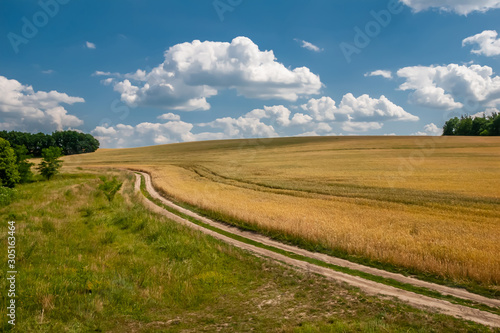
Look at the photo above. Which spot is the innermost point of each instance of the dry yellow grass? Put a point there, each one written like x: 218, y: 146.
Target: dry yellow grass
x: 430, y: 204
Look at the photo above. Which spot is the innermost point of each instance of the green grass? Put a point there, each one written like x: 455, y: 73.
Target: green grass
x: 6, y: 195
x: 89, y: 265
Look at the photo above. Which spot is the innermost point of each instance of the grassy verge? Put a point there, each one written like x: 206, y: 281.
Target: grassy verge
x: 386, y: 281
x: 89, y: 265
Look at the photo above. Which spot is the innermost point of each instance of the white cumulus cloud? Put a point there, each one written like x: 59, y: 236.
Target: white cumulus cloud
x: 242, y: 127
x: 487, y: 42
x: 462, y: 7
x: 143, y: 134
x: 259, y: 122
x: 358, y: 109
x: 430, y: 129
x: 384, y: 73
x: 352, y: 126
x: 322, y: 109
x: 449, y: 87
x: 270, y: 121
x: 300, y: 119
x: 357, y: 115
x: 24, y: 109
x: 365, y: 108
x: 169, y: 116
x: 193, y: 72
x: 279, y: 115
x: 486, y: 113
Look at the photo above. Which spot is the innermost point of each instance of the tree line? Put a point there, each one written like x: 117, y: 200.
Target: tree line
x: 70, y: 142
x: 16, y: 148
x: 15, y: 166
x: 473, y: 126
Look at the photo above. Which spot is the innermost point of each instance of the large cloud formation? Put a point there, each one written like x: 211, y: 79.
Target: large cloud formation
x: 257, y: 123
x: 250, y: 125
x: 462, y: 7
x: 143, y: 134
x: 357, y: 115
x: 450, y: 87
x: 253, y: 124
x: 193, y: 72
x: 487, y: 41
x: 360, y: 109
x: 24, y: 109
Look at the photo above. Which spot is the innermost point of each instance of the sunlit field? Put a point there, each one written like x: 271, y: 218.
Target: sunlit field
x: 428, y: 205
x: 91, y: 265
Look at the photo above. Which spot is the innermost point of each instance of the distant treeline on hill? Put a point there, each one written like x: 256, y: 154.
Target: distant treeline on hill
x: 71, y: 142
x: 469, y: 125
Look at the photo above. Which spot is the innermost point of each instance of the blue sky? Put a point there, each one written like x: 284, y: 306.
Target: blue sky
x: 132, y: 73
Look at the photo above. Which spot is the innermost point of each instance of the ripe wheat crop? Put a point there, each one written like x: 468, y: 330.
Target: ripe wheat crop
x: 430, y: 205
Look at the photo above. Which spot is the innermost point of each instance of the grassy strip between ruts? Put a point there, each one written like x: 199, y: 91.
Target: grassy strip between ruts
x: 87, y: 264
x: 386, y: 281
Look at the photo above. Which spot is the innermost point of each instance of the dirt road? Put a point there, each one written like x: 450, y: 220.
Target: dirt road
x: 368, y: 286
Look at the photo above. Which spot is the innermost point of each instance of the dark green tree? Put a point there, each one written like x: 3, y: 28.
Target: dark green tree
x: 470, y: 125
x: 464, y: 126
x: 479, y: 124
x: 71, y: 142
x: 450, y: 126
x: 9, y: 175
x: 90, y: 144
x: 495, y: 125
x: 51, y: 163
x: 23, y: 165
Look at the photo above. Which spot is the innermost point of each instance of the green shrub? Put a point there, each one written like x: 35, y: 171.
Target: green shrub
x: 23, y: 166
x: 51, y: 163
x: 110, y: 187
x: 9, y: 174
x: 6, y: 195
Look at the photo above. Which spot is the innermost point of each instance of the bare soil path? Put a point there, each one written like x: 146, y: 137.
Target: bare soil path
x: 368, y: 286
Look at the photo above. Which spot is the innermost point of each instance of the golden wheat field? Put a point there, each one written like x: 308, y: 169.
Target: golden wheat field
x: 426, y: 204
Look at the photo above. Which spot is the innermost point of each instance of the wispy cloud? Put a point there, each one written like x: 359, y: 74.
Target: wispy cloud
x: 101, y: 73
x: 463, y: 7
x: 90, y: 45
x: 309, y: 46
x: 48, y: 71
x: 380, y: 72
